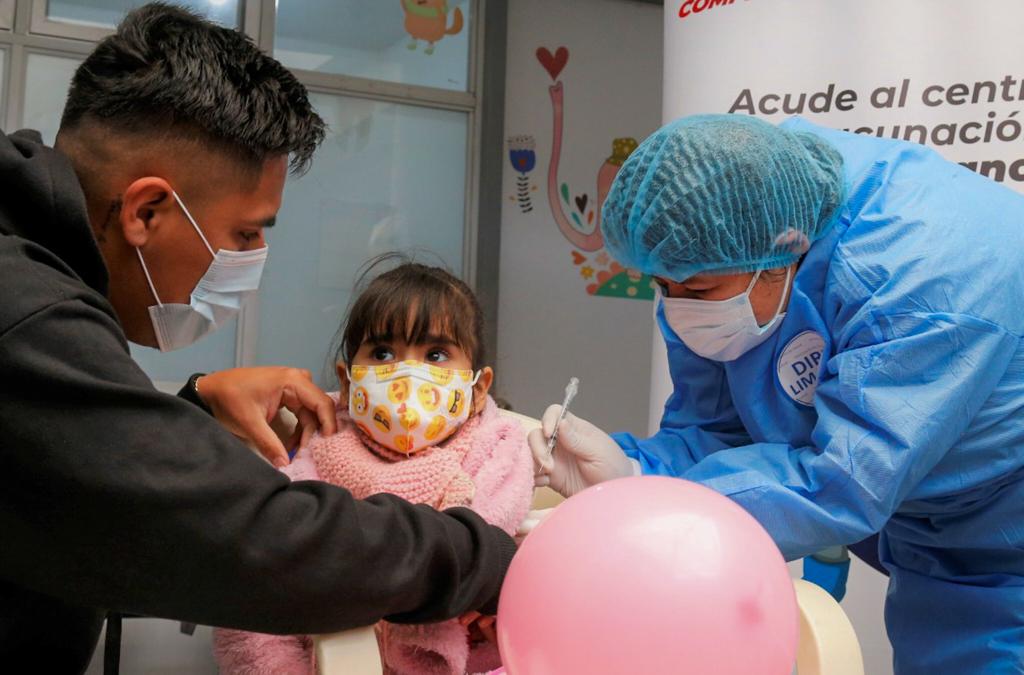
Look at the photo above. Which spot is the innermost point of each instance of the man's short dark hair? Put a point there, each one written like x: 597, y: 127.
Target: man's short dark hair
x: 168, y: 71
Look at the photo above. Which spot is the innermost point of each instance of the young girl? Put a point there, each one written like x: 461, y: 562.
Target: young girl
x: 419, y: 425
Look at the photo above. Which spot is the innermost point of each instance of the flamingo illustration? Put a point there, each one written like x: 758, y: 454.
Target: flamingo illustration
x: 621, y: 148
x: 606, y: 277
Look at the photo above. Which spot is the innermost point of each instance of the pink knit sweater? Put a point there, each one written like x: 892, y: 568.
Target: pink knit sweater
x: 485, y: 466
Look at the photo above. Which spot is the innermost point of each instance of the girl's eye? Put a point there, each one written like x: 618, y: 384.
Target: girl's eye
x: 437, y: 356
x: 382, y: 354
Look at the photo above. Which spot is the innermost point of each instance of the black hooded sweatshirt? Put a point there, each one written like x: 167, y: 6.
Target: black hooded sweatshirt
x: 119, y: 497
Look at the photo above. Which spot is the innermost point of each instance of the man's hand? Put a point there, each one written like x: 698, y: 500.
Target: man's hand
x: 244, y: 400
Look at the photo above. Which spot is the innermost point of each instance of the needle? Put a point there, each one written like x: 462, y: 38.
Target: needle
x: 570, y: 394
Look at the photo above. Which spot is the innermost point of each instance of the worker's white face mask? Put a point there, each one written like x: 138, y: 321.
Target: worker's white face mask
x: 411, y: 405
x: 721, y: 330
x: 230, y: 279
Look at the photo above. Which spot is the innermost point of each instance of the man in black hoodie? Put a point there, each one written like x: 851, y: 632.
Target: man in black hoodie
x: 173, y: 151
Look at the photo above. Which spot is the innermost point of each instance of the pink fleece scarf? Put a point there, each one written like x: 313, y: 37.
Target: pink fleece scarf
x: 486, y: 466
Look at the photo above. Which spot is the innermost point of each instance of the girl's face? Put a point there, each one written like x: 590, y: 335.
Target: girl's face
x: 436, y: 350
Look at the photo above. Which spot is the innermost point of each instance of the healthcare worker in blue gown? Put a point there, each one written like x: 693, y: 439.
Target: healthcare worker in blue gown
x: 843, y: 316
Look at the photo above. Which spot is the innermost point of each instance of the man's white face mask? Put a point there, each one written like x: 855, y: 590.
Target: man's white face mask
x: 231, y: 277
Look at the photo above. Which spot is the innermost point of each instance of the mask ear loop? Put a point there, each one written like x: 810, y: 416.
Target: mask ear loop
x: 193, y: 221
x: 149, y: 279
x: 138, y: 251
x: 472, y: 389
x: 785, y: 291
x: 782, y: 300
x: 753, y: 282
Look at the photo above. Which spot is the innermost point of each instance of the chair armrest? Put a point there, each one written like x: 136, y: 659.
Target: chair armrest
x: 350, y: 652
x: 828, y: 643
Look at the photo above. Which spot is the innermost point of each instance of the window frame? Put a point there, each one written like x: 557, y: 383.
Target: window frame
x: 41, y: 24
x: 31, y: 30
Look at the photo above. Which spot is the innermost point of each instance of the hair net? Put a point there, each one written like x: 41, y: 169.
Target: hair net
x: 721, y: 193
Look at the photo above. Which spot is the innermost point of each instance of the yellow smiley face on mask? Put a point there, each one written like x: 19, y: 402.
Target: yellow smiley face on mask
x: 404, y: 443
x: 382, y: 418
x: 357, y: 373
x: 435, y: 428
x: 456, y: 403
x: 409, y: 419
x: 398, y: 391
x: 429, y: 396
x: 360, y: 401
x: 385, y: 371
x: 442, y: 376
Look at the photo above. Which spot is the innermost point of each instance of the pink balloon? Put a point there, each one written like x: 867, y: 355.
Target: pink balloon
x: 648, y: 575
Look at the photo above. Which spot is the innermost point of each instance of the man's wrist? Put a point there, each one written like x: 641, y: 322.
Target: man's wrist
x: 190, y: 392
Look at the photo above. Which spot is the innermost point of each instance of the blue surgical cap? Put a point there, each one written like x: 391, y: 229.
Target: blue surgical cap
x: 721, y: 193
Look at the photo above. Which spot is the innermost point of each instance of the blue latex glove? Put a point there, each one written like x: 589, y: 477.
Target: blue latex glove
x: 829, y: 569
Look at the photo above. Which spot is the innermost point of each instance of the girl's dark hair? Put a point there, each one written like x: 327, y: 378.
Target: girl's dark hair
x: 412, y: 301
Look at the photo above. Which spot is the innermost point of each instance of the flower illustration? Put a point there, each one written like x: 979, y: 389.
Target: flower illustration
x: 523, y: 157
x: 522, y: 153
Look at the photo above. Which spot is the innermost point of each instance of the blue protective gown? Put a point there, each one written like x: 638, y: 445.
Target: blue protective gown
x: 912, y: 421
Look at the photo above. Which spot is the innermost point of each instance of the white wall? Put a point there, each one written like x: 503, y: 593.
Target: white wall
x: 549, y: 328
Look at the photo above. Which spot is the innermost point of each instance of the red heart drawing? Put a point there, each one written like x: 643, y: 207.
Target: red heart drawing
x: 553, y: 64
x: 577, y: 257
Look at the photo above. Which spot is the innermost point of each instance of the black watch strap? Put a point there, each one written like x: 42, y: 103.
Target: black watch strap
x: 191, y: 393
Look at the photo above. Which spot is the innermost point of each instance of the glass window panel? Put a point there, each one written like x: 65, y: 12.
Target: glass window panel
x: 404, y: 41
x: 389, y: 177
x: 107, y: 13
x: 46, y: 86
x: 6, y: 14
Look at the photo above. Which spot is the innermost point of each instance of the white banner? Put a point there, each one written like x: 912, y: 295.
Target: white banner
x: 946, y: 73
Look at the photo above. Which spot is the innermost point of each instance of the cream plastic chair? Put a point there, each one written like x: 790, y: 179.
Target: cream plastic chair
x: 828, y: 644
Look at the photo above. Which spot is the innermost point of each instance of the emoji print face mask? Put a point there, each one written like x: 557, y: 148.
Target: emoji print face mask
x: 409, y: 406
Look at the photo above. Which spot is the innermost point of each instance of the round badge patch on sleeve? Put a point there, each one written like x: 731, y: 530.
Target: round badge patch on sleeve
x: 800, y: 365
